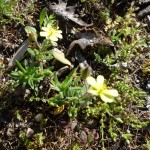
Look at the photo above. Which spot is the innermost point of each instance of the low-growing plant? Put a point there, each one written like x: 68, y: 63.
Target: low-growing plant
x: 90, y: 96
x: 15, y: 11
x: 6, y: 10
x: 35, y: 142
x: 34, y: 73
x: 30, y: 75
x: 115, y: 113
x: 126, y: 33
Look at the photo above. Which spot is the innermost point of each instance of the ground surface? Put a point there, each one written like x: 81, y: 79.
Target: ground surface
x: 19, y: 126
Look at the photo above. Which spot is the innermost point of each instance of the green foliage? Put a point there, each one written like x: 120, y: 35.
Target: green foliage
x: 126, y: 33
x: 148, y: 145
x: 146, y: 66
x: 30, y: 75
x: 9, y: 11
x: 6, y: 10
x: 76, y: 147
x: 82, y: 1
x: 45, y: 19
x: 34, y: 142
x: 34, y: 73
x: 40, y: 56
x: 70, y: 92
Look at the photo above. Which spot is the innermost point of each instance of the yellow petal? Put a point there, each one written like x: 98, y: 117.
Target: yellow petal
x: 54, y: 43
x: 100, y: 81
x: 106, y: 98
x: 91, y: 81
x: 92, y: 91
x: 59, y: 31
x: 59, y: 35
x: 53, y: 38
x: 43, y: 34
x: 113, y: 92
x: 45, y: 29
x: 49, y: 26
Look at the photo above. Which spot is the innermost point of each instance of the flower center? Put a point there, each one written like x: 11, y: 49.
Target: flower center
x: 103, y: 87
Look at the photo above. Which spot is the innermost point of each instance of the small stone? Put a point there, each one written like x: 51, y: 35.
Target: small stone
x: 115, y: 65
x: 3, y: 79
x: 92, y: 123
x: 124, y: 64
x: 73, y: 124
x: 29, y: 132
x: 39, y: 117
x: 148, y: 100
x: 128, y: 131
x: 148, y: 86
x: 83, y: 136
x: 9, y: 132
x: 27, y: 93
x: 16, y: 125
x: 148, y: 21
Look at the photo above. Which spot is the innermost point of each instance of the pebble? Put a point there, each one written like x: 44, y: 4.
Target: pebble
x: 39, y: 117
x: 124, y: 64
x: 148, y: 86
x: 148, y: 21
x: 29, y: 132
x: 27, y: 93
x: 73, y: 124
x: 83, y: 136
x: 92, y: 123
x: 148, y: 102
x: 9, y: 132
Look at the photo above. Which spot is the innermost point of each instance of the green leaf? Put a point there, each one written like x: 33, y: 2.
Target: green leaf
x: 51, y: 19
x: 76, y: 147
x: 55, y: 102
x: 18, y: 115
x: 72, y: 112
x: 69, y: 78
x: 127, y: 136
x: 40, y: 138
x: 30, y: 82
x: 119, y: 120
x: 57, y: 83
x: 46, y: 72
x: 42, y: 16
x: 20, y: 66
x: 148, y: 145
x: 31, y: 52
x: 15, y: 74
x: 82, y: 1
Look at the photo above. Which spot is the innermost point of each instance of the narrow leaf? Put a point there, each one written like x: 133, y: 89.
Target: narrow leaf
x: 69, y: 77
x: 42, y: 16
x: 20, y: 67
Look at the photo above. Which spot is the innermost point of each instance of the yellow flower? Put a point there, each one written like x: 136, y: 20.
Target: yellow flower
x: 99, y: 88
x: 51, y: 33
